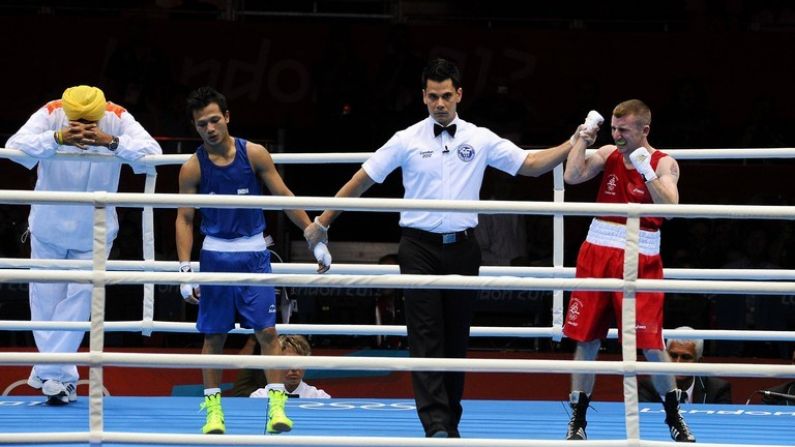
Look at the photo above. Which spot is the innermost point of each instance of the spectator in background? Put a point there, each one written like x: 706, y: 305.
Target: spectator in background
x: 294, y: 377
x: 81, y: 121
x: 695, y: 389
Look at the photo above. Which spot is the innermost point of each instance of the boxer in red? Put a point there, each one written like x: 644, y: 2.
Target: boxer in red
x: 633, y: 172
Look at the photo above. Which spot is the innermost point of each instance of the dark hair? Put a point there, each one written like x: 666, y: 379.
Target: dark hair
x: 202, y: 97
x: 440, y: 70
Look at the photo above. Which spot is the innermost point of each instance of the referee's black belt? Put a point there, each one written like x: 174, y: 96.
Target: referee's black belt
x: 438, y: 238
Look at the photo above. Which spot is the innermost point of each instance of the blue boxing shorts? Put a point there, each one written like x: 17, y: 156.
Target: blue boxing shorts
x: 220, y: 306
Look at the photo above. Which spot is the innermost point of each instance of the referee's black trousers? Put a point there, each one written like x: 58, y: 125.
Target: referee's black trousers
x: 438, y: 324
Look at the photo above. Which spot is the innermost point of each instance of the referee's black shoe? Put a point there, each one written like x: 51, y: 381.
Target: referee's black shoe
x: 680, y: 432
x: 579, y: 402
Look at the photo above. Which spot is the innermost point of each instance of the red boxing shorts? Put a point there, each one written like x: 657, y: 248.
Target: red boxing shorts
x: 591, y: 313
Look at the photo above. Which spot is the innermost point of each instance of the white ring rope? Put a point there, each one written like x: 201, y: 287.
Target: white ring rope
x: 628, y: 367
x: 361, y: 329
x: 381, y: 269
x: 402, y: 281
x: 195, y: 361
x: 360, y: 157
x: 137, y: 200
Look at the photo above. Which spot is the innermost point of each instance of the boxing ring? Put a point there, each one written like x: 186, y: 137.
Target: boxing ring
x: 384, y: 422
x: 160, y: 421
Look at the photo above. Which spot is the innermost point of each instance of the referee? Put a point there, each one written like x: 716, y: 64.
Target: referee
x: 442, y: 157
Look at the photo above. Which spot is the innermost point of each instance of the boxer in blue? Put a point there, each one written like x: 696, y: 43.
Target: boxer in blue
x: 233, y: 242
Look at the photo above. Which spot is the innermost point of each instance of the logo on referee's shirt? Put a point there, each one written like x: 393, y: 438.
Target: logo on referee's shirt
x: 465, y: 152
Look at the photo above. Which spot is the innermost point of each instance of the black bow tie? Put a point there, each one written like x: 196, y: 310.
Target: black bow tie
x: 437, y: 129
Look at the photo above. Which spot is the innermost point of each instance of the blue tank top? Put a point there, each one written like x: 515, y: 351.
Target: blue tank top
x: 237, y: 178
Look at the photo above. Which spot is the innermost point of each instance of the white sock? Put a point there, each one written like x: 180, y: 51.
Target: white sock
x: 275, y: 386
x: 211, y: 391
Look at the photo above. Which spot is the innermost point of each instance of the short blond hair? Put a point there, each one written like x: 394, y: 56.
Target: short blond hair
x: 634, y: 107
x: 297, y: 343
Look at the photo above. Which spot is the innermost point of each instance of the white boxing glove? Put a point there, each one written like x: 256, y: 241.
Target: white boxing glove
x: 641, y: 160
x: 190, y: 292
x: 592, y: 122
x: 323, y: 257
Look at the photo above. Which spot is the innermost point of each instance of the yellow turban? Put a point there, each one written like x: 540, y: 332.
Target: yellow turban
x: 84, y: 102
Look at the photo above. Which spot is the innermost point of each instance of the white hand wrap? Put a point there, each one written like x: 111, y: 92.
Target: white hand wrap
x: 593, y: 120
x: 186, y: 290
x: 641, y: 160
x: 315, y: 233
x: 322, y: 254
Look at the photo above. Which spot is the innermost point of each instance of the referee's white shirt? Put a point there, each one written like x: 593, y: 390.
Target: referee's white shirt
x: 443, y: 167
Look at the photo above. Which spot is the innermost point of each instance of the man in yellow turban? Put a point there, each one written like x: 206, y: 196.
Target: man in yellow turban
x: 84, y: 103
x: 81, y: 121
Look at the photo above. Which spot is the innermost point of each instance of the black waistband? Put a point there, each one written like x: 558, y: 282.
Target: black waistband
x: 438, y: 238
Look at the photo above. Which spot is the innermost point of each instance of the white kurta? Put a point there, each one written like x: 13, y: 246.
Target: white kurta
x: 71, y: 226
x: 66, y: 231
